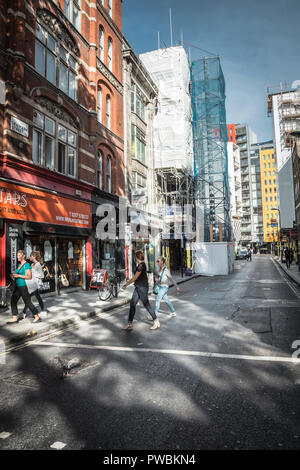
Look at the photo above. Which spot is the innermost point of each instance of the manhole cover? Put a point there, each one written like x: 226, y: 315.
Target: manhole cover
x: 56, y: 370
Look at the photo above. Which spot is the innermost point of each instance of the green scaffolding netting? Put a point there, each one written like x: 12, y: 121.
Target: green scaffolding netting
x: 210, y: 147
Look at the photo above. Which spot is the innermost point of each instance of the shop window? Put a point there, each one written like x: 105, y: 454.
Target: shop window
x: 99, y: 104
x: 72, y: 12
x: 55, y: 63
x: 108, y: 174
x: 101, y: 43
x: 108, y: 111
x: 109, y: 54
x: 100, y: 170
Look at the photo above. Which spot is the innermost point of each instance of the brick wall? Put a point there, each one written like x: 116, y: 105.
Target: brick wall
x: 27, y: 90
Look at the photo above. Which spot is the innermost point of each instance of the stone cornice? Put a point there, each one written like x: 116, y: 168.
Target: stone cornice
x: 110, y: 77
x: 58, y: 29
x: 56, y: 110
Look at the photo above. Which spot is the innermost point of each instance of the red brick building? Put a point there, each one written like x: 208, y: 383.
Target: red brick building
x: 61, y: 130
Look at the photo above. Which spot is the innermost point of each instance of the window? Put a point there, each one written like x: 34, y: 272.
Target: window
x: 109, y: 6
x: 45, y: 54
x: 72, y: 12
x: 49, y: 138
x: 101, y: 43
x: 264, y: 165
x: 109, y: 54
x: 137, y: 102
x: 270, y: 181
x: 108, y: 174
x: 66, y: 151
x: 266, y: 199
x: 43, y: 139
x: 138, y: 180
x: 67, y: 74
x: 108, y: 112
x: 99, y: 170
x: 265, y: 181
x: 99, y: 104
x: 265, y: 173
x: 62, y: 72
x: 138, y: 144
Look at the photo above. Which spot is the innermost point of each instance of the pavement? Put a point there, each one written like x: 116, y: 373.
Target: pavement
x: 66, y: 309
x: 293, y: 271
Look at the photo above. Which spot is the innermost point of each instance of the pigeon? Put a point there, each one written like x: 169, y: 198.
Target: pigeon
x: 66, y: 365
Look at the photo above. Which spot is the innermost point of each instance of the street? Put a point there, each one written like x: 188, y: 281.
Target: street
x: 219, y: 375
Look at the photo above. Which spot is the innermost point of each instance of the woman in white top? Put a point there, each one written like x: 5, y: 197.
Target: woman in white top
x: 37, y: 276
x: 164, y: 280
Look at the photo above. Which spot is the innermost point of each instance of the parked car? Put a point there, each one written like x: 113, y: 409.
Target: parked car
x: 242, y: 253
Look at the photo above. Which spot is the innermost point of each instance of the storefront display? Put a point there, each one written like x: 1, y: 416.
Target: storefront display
x: 57, y: 227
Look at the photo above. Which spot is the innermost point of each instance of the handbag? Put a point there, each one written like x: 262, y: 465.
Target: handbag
x: 64, y: 281
x: 12, y: 286
x: 156, y: 286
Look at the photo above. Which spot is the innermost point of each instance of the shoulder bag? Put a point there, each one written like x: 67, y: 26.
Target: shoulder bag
x: 156, y: 286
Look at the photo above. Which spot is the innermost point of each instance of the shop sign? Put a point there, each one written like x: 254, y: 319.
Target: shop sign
x: 28, y: 204
x: 19, y: 126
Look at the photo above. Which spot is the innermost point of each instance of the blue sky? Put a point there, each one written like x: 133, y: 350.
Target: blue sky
x: 258, y: 42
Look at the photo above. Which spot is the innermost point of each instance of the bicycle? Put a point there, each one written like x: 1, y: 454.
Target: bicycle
x: 111, y: 287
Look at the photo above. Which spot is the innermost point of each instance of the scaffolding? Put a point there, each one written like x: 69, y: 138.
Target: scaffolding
x: 210, y: 138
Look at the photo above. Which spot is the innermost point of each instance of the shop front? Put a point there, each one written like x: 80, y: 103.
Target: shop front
x: 108, y: 248
x: 59, y: 228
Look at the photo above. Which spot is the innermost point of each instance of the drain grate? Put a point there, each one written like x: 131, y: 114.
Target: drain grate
x: 49, y: 374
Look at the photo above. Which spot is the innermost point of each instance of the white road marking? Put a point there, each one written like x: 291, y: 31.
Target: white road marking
x: 4, y: 435
x: 170, y: 351
x: 58, y: 445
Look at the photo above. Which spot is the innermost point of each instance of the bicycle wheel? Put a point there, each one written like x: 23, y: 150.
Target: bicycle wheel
x: 115, y: 289
x: 105, y: 291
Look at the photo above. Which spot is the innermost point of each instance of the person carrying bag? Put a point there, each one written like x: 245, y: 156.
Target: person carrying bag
x: 162, y: 287
x: 34, y: 284
x: 22, y: 274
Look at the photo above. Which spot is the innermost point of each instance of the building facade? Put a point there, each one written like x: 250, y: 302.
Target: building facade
x: 140, y: 106
x: 235, y: 188
x: 244, y: 138
x: 173, y: 147
x: 284, y: 107
x: 61, y: 131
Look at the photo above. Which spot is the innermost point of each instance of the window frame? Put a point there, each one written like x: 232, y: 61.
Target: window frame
x: 57, y: 140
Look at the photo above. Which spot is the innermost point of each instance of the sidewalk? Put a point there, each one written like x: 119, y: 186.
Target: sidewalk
x: 293, y: 271
x: 64, y: 310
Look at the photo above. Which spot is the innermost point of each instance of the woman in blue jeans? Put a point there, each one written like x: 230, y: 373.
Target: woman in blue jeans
x: 140, y: 280
x: 164, y: 279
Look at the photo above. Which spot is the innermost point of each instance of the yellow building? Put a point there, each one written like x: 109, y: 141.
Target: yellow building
x: 268, y: 174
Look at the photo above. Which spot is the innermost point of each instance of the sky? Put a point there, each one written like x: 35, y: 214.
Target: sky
x: 257, y: 40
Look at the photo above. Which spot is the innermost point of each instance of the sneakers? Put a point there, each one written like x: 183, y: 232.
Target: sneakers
x: 43, y: 313
x: 128, y: 327
x: 172, y: 314
x: 156, y: 325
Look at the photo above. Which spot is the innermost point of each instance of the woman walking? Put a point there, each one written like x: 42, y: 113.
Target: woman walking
x: 37, y: 276
x: 163, y: 282
x: 23, y: 273
x: 140, y: 281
